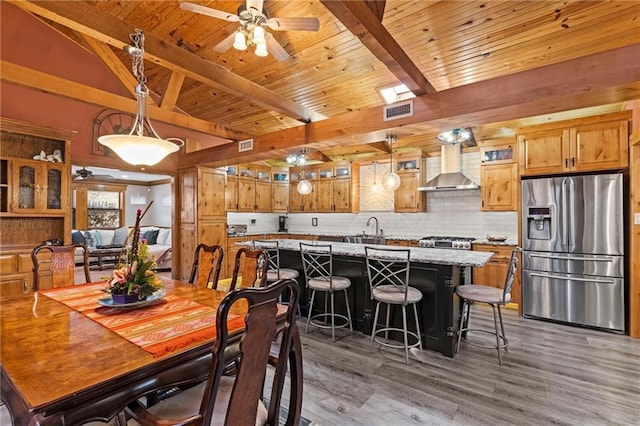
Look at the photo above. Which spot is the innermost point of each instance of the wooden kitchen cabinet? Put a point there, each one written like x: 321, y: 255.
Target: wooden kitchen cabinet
x: 411, y: 169
x: 254, y: 188
x: 299, y: 203
x: 338, y: 188
x: 203, y: 217
x: 231, y: 189
x: 279, y: 191
x: 588, y: 144
x: 494, y: 272
x: 263, y: 191
x: 499, y: 178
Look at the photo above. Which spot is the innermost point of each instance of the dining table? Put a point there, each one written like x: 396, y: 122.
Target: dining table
x: 67, y: 356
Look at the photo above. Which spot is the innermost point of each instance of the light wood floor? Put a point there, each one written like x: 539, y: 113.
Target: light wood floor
x: 552, y: 374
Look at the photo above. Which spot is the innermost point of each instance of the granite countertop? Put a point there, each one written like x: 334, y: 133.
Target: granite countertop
x: 421, y: 255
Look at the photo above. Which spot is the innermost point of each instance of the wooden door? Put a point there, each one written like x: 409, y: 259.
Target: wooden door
x: 279, y: 197
x: 231, y: 194
x: 600, y: 146
x: 310, y: 201
x: 246, y: 194
x: 544, y: 152
x: 263, y: 196
x: 211, y: 193
x: 407, y: 198
x: 188, y: 196
x: 296, y: 203
x: 342, y: 196
x: 325, y: 195
x: 499, y: 187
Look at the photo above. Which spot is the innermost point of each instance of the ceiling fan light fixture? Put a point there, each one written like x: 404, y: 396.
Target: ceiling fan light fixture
x: 259, y: 36
x: 240, y: 41
x: 261, y: 49
x: 135, y: 148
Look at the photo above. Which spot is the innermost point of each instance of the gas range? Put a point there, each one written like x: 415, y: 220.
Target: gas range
x: 456, y: 243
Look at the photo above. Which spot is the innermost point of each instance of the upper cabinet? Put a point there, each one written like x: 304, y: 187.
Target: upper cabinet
x: 279, y: 190
x: 412, y: 171
x: 248, y: 188
x: 581, y: 145
x: 35, y: 183
x: 499, y: 180
x: 299, y: 203
x: 338, y: 188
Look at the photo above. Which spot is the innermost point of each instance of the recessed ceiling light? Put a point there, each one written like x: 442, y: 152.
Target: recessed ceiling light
x: 396, y: 93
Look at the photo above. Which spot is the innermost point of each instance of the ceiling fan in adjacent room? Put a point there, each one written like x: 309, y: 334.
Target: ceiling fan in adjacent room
x: 84, y: 174
x: 253, y: 19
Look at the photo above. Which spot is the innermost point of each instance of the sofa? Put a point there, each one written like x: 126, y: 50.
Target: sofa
x: 158, y: 241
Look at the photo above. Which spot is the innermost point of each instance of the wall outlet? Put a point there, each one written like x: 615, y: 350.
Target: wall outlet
x: 314, y: 221
x: 253, y: 222
x: 636, y: 218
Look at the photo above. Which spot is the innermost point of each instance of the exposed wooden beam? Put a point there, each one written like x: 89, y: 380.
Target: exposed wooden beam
x: 82, y: 17
x: 319, y: 156
x: 111, y: 60
x: 602, y: 78
x: 359, y: 18
x: 172, y: 92
x: 377, y: 7
x: 27, y: 77
x: 383, y: 146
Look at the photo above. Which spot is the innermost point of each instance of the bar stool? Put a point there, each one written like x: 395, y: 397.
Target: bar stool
x: 388, y: 271
x: 275, y: 272
x: 317, y: 261
x: 494, y: 297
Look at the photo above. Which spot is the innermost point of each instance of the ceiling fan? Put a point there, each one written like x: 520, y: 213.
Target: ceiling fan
x: 253, y: 19
x: 84, y: 174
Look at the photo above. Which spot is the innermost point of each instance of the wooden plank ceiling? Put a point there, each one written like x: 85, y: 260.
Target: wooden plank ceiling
x: 334, y: 73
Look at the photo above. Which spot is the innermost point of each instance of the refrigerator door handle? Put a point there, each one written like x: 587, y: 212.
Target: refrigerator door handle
x: 558, y: 277
x: 571, y: 214
x: 565, y: 224
x: 591, y: 259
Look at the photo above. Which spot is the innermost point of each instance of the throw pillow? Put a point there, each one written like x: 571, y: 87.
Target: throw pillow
x: 77, y: 238
x: 90, y: 239
x: 120, y: 236
x: 151, y: 236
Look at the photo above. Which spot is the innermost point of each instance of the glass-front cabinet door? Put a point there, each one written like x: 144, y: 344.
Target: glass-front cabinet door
x: 27, y: 187
x: 55, y: 189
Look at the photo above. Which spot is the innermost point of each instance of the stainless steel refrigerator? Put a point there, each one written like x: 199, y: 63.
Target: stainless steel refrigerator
x: 573, y: 250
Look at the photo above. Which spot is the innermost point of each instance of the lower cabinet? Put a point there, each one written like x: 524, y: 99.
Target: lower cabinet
x: 16, y: 275
x: 495, y: 271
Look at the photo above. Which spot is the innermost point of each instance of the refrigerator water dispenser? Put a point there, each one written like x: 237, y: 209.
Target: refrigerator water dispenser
x: 539, y: 223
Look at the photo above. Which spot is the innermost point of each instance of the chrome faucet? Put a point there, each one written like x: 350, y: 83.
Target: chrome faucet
x: 369, y: 222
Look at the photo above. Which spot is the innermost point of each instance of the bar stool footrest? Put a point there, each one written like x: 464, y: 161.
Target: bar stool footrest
x: 399, y: 345
x: 504, y: 345
x: 313, y: 321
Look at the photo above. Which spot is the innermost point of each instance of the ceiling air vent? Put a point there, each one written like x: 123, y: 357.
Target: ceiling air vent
x: 245, y: 145
x: 398, y: 110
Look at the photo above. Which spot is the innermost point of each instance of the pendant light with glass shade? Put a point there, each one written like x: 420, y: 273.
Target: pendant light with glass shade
x: 391, y: 180
x: 304, y: 186
x: 136, y: 148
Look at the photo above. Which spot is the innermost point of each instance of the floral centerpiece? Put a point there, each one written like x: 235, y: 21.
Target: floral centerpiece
x: 135, y: 277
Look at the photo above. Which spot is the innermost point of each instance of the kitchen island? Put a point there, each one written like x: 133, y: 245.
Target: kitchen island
x: 435, y: 272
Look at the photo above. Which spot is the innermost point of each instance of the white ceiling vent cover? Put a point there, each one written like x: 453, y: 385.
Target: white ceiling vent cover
x: 245, y: 145
x: 398, y: 110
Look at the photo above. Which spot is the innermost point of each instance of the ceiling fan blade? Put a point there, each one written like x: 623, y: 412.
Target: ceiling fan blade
x: 255, y: 7
x: 276, y: 49
x: 214, y: 13
x: 294, y: 24
x: 225, y: 44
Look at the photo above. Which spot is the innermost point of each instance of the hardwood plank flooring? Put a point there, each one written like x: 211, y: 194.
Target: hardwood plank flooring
x: 552, y: 374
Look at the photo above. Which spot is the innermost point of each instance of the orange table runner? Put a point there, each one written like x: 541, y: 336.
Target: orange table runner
x: 158, y: 328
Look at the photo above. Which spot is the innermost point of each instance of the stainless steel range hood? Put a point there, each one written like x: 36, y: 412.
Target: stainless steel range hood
x: 450, y: 177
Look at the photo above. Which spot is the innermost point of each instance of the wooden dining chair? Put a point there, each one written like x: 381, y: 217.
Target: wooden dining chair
x: 239, y: 400
x: 54, y: 266
x: 207, y: 262
x: 250, y: 268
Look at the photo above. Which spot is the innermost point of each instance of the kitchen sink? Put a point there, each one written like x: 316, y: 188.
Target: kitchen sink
x: 365, y: 239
